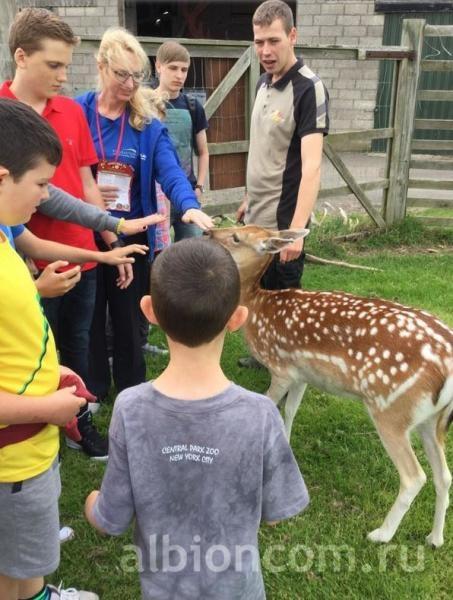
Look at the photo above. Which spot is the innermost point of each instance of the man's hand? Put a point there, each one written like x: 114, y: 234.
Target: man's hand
x: 133, y: 226
x: 292, y: 252
x: 198, y: 217
x: 241, y: 211
x: 120, y: 256
x: 63, y: 405
x: 109, y: 193
x: 51, y: 284
x: 125, y: 276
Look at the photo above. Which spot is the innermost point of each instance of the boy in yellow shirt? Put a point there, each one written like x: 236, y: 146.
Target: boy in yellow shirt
x: 31, y: 406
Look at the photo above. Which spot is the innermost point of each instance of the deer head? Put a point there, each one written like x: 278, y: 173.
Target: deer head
x: 253, y: 247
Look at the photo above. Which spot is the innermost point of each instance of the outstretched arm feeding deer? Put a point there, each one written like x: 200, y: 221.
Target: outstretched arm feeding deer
x: 398, y: 360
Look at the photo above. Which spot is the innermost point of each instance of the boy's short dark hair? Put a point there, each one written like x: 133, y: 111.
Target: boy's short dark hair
x: 172, y: 52
x: 32, y: 25
x: 195, y: 289
x: 25, y: 138
x: 269, y: 11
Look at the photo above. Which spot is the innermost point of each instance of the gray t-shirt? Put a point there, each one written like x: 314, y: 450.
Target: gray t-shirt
x: 199, y: 477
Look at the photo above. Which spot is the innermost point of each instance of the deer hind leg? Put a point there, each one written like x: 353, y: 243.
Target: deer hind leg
x: 442, y: 478
x: 295, y: 394
x: 412, y: 478
x: 287, y: 395
x: 278, y: 389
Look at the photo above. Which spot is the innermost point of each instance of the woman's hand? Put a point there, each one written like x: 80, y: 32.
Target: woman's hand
x: 125, y: 276
x: 109, y: 193
x: 198, y: 217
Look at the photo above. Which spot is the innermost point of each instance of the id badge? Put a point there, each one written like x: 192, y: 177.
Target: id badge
x: 120, y: 175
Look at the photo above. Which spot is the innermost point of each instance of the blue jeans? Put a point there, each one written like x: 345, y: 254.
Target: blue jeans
x: 70, y: 318
x: 183, y: 230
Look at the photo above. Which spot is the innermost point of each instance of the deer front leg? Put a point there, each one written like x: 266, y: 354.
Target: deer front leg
x: 442, y: 478
x: 412, y: 478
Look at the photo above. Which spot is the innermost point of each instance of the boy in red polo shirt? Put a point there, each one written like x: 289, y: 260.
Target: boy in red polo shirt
x: 42, y: 46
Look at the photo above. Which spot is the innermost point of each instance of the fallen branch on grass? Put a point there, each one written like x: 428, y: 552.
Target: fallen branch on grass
x: 338, y: 263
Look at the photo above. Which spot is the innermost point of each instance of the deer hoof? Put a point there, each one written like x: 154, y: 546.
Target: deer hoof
x: 435, y: 541
x: 379, y: 536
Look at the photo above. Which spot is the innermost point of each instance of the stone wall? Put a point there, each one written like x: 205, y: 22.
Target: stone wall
x: 352, y: 84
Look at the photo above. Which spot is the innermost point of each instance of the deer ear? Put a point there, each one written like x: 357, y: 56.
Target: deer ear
x: 294, y: 234
x: 284, y: 238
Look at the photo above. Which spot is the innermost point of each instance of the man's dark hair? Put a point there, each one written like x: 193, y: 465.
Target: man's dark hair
x: 25, y: 139
x: 195, y: 289
x: 269, y: 11
x: 33, y: 25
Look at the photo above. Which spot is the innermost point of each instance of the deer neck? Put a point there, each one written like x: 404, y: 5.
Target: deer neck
x: 250, y: 280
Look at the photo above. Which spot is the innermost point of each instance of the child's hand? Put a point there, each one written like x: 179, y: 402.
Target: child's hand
x: 119, y: 256
x: 89, y: 505
x: 132, y: 226
x: 51, y: 284
x: 63, y: 405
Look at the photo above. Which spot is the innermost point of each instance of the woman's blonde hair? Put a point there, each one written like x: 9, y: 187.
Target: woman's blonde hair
x: 117, y: 44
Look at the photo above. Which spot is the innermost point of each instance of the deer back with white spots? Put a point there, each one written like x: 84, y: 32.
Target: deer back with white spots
x: 397, y: 360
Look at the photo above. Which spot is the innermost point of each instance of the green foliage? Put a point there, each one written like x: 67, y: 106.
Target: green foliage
x: 350, y: 478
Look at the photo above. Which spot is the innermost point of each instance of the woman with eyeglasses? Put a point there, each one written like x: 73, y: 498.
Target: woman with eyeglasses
x: 134, y: 152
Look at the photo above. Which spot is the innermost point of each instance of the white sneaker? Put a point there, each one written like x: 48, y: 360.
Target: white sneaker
x: 56, y: 593
x: 66, y: 534
x: 93, y: 407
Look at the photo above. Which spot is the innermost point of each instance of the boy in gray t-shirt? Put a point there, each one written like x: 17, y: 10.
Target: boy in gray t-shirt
x: 198, y: 461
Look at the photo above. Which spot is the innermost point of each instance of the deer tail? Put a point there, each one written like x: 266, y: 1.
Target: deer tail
x: 446, y: 415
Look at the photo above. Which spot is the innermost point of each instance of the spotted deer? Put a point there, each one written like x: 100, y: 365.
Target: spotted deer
x: 398, y: 360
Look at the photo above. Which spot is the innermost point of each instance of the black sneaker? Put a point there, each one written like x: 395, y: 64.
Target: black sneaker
x: 250, y: 362
x: 92, y: 443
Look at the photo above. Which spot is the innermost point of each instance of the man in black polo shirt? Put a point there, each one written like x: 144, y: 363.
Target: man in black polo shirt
x: 289, y: 120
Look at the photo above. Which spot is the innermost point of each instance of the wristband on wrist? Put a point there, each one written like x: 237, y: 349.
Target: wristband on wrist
x: 117, y: 244
x: 120, y: 225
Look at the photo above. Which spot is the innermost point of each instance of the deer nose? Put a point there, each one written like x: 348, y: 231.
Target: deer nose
x: 207, y: 233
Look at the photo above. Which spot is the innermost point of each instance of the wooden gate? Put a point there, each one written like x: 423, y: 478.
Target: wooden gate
x: 437, y: 189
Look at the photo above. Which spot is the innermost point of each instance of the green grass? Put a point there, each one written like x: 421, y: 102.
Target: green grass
x: 350, y: 478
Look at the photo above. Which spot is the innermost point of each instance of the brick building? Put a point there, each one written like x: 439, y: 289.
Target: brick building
x: 352, y: 84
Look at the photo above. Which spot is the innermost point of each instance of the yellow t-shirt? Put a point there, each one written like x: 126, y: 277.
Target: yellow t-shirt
x: 28, y: 363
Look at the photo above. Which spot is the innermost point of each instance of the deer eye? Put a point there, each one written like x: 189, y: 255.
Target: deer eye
x: 236, y: 239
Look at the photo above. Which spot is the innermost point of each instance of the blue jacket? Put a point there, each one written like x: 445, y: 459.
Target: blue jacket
x: 159, y: 162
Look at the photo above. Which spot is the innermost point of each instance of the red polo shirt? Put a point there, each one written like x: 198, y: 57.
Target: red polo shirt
x: 67, y: 119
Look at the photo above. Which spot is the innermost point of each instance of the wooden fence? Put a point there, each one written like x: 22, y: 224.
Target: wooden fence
x: 436, y: 165
x: 238, y: 68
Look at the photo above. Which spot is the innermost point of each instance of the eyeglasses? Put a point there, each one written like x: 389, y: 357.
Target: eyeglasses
x: 123, y: 76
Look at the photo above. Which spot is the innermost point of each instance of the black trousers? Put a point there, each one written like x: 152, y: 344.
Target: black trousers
x: 280, y: 276
x: 128, y: 367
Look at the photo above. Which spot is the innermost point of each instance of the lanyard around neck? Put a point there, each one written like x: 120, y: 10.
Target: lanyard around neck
x: 120, y: 138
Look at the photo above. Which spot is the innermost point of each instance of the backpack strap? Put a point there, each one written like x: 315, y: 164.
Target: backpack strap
x: 191, y: 105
